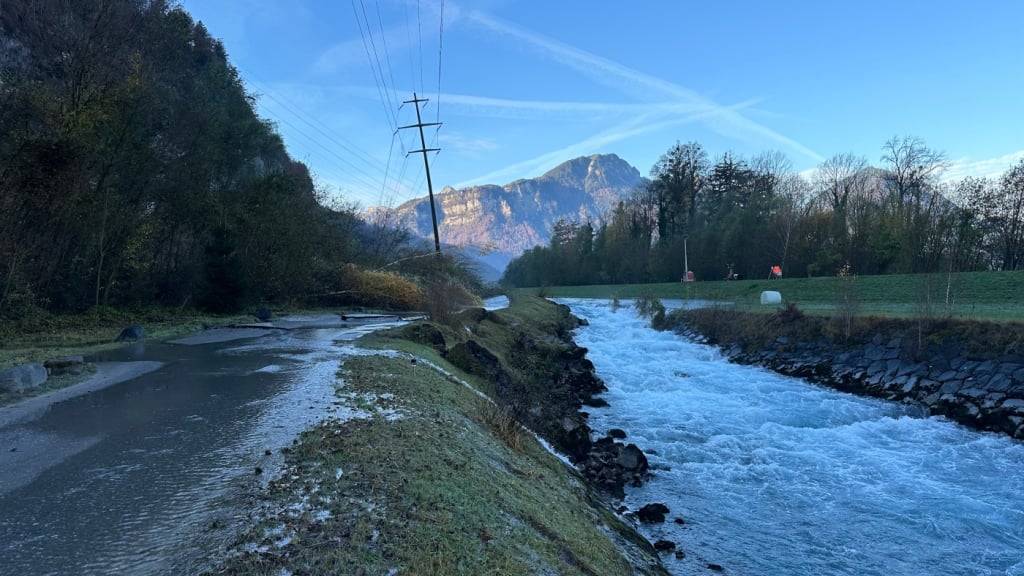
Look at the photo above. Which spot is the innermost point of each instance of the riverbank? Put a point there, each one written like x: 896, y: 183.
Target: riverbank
x: 435, y: 475
x: 970, y: 372
x: 997, y: 296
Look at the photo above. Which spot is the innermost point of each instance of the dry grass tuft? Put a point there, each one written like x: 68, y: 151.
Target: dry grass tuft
x: 382, y: 289
x: 502, y: 423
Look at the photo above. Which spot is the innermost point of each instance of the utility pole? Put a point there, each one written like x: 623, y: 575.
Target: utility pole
x: 426, y: 163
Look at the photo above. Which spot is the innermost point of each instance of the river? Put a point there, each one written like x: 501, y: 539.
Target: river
x: 154, y: 475
x: 775, y: 476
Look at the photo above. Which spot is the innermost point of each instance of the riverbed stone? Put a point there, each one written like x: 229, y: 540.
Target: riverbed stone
x: 950, y: 387
x: 664, y: 545
x: 1015, y: 404
x: 975, y: 393
x: 632, y: 458
x: 999, y: 382
x: 986, y: 367
x: 132, y: 333
x: 652, y: 513
x: 1008, y: 368
x: 23, y: 378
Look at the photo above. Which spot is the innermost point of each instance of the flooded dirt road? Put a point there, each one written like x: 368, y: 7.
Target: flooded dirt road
x: 151, y: 475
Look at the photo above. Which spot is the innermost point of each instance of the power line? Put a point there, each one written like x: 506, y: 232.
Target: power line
x: 381, y: 92
x: 349, y: 147
x: 376, y: 55
x: 419, y: 33
x: 371, y: 183
x: 391, y: 149
x: 440, y: 49
x: 356, y: 169
x: 345, y: 143
x: 384, y: 41
x: 408, y: 38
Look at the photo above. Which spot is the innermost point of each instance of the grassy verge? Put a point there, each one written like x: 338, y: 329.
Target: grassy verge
x: 434, y: 480
x: 973, y: 295
x: 61, y: 335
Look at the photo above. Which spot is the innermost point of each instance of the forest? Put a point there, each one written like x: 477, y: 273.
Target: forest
x: 135, y: 171
x: 737, y: 218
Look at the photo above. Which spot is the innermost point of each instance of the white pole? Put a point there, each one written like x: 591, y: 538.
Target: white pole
x: 686, y: 261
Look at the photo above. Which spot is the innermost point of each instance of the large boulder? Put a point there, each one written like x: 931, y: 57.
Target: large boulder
x: 652, y: 513
x: 22, y: 378
x: 67, y: 365
x: 132, y: 333
x: 632, y: 459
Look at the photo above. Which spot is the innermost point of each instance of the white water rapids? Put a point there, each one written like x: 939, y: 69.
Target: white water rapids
x: 776, y: 476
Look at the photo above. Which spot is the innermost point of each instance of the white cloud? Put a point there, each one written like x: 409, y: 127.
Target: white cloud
x: 466, y: 145
x: 728, y: 122
x: 634, y: 127
x: 988, y: 168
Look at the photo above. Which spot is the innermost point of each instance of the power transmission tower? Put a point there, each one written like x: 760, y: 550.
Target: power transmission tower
x: 426, y: 163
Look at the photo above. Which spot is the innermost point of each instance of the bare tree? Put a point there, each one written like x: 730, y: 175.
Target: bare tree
x: 792, y: 197
x: 838, y: 179
x: 1012, y: 185
x: 912, y: 167
x: 773, y: 165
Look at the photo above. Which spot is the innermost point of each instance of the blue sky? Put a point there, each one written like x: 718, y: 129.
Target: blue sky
x: 526, y: 85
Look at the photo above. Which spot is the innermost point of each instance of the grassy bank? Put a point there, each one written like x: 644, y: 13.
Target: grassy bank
x: 432, y: 478
x: 980, y: 295
x: 52, y: 335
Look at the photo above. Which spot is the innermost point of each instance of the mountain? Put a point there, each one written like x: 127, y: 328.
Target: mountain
x: 503, y: 221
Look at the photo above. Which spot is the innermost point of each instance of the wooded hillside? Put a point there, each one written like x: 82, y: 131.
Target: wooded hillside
x: 134, y: 170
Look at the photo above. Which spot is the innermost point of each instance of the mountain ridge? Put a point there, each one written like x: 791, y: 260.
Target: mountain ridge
x: 514, y: 217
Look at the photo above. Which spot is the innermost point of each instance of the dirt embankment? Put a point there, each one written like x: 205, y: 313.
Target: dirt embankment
x: 535, y: 371
x: 971, y: 372
x: 433, y: 474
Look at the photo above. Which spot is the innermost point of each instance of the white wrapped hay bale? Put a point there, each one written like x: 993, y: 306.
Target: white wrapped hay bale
x: 771, y: 297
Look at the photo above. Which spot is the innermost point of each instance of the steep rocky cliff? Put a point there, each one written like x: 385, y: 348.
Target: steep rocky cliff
x: 517, y: 216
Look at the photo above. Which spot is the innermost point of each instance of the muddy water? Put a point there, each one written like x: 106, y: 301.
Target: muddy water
x: 151, y: 475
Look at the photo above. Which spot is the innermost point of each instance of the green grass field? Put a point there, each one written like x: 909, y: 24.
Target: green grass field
x: 977, y: 295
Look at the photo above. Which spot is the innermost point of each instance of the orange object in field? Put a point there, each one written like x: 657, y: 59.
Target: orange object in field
x: 776, y: 271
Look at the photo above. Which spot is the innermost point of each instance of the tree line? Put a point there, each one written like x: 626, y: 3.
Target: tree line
x: 737, y: 216
x: 134, y: 170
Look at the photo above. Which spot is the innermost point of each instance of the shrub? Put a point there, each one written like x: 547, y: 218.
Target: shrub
x: 847, y: 304
x: 791, y: 313
x: 649, y: 305
x: 443, y: 297
x: 381, y: 289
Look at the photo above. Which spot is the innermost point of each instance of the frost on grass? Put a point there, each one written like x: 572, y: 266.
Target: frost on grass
x: 308, y: 491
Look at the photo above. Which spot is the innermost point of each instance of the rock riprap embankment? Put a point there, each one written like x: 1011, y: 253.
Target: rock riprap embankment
x: 955, y: 375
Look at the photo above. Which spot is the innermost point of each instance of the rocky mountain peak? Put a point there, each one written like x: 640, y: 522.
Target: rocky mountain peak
x: 506, y: 220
